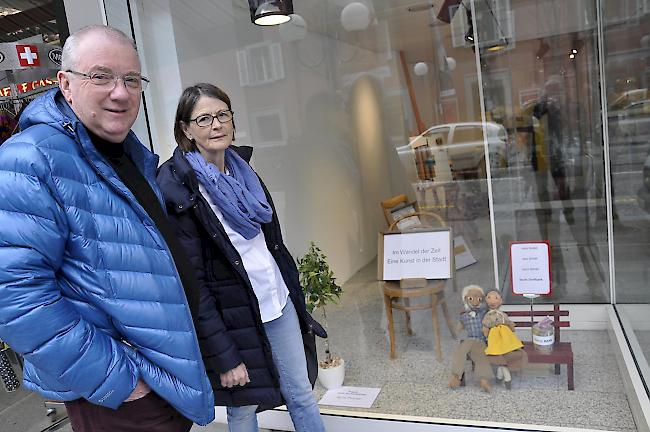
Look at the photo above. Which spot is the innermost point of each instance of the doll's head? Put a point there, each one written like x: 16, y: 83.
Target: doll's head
x: 493, y: 299
x: 473, y: 296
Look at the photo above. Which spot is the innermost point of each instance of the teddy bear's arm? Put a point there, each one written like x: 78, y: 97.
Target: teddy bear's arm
x: 508, y: 321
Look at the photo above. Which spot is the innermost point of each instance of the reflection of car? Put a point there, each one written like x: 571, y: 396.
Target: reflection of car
x: 632, y: 119
x: 463, y: 147
x: 629, y: 133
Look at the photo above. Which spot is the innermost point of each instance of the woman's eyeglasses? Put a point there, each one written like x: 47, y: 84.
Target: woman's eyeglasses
x: 205, y: 120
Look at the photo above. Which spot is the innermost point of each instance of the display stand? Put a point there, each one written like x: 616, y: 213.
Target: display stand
x: 402, y: 280
x: 532, y: 298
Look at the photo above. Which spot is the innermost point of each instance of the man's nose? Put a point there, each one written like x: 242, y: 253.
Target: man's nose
x: 119, y: 90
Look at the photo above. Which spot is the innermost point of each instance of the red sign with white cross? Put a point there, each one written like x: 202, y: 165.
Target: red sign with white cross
x: 28, y: 55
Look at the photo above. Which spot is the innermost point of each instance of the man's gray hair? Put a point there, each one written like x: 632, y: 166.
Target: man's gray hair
x: 69, y: 57
x: 466, y: 291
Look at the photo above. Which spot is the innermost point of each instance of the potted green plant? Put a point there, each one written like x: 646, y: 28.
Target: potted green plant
x: 320, y: 288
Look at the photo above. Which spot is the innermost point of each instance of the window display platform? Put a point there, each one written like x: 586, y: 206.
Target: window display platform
x: 415, y: 383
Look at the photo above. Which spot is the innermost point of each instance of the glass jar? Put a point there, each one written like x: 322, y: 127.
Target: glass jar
x: 543, y: 338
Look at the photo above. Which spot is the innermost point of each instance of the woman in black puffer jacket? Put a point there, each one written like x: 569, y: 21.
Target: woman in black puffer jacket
x: 252, y: 314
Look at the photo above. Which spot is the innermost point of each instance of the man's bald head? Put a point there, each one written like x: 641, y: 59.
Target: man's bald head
x: 70, y: 55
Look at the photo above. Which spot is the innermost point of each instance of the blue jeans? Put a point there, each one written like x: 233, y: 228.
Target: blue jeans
x: 289, y: 358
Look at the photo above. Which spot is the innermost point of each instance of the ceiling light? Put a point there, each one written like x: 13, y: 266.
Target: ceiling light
x: 469, y: 36
x: 451, y: 63
x: 270, y: 12
x: 355, y: 17
x: 420, y: 69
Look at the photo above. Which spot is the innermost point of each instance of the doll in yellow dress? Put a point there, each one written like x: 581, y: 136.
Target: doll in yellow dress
x: 501, y: 339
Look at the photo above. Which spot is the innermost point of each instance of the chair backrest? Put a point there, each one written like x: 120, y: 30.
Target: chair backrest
x: 391, y: 204
x: 424, y: 219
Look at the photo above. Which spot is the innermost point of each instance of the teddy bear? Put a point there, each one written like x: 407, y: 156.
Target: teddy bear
x: 471, y: 319
x: 503, y: 346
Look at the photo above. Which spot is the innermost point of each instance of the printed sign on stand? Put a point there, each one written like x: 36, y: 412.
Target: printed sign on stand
x: 423, y: 253
x: 530, y: 268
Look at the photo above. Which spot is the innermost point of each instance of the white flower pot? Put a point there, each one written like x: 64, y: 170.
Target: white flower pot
x: 333, y: 377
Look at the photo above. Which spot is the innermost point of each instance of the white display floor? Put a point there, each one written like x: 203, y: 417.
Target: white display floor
x: 415, y: 383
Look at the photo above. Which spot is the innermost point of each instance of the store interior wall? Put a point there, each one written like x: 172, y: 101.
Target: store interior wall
x: 81, y: 13
x: 335, y: 164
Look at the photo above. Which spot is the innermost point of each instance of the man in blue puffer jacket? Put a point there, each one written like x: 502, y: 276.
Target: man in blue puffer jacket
x: 95, y: 291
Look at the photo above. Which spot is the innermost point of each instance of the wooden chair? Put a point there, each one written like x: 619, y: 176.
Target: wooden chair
x: 405, y: 289
x: 391, y: 203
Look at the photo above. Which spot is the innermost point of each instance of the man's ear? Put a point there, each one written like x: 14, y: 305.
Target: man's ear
x: 64, y: 85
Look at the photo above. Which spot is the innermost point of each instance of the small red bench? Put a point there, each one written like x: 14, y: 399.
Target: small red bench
x: 562, y: 352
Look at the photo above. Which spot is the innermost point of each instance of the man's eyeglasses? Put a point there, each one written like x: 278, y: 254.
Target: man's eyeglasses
x: 205, y: 120
x: 133, y: 83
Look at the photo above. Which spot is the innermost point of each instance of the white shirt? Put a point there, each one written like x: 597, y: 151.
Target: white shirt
x: 262, y: 270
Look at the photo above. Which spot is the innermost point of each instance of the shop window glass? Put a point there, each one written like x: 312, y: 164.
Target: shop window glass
x: 550, y: 183
x: 342, y: 121
x: 627, y: 80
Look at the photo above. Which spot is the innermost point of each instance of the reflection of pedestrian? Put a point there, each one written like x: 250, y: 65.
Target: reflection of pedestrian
x: 547, y: 155
x: 540, y: 134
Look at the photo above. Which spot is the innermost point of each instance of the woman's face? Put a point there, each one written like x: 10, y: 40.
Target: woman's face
x: 214, y: 138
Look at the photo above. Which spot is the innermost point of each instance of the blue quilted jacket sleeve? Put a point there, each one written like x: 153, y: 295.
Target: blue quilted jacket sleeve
x: 35, y: 319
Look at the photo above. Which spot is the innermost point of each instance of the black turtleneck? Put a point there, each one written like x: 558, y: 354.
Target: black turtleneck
x: 138, y: 185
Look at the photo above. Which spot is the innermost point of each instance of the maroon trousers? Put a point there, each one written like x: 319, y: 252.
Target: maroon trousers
x: 150, y: 413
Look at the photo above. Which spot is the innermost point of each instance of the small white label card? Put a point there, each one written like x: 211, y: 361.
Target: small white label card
x: 355, y: 397
x: 530, y: 267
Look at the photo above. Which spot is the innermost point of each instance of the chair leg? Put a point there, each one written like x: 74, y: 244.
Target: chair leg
x: 448, y: 320
x: 409, y: 329
x: 436, y: 326
x: 569, y: 374
x: 391, y: 329
x: 557, y: 368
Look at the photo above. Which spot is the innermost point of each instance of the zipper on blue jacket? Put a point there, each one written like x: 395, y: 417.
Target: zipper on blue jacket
x: 68, y: 126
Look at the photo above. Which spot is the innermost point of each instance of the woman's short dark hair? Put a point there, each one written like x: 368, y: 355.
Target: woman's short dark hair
x: 186, y: 104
